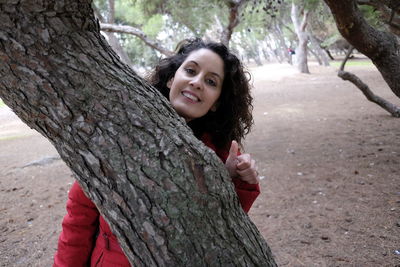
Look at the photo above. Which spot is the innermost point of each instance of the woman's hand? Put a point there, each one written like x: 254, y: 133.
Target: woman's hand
x: 242, y: 166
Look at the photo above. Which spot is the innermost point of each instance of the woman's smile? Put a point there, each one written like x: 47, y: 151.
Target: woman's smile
x: 190, y: 96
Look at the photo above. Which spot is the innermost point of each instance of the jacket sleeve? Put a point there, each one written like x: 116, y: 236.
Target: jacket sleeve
x: 79, y: 228
x: 246, y: 192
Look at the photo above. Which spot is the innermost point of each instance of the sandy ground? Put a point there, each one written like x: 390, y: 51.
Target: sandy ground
x: 329, y: 160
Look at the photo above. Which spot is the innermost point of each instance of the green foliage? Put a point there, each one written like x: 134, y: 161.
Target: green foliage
x: 169, y: 21
x: 2, y: 103
x: 371, y: 16
x: 331, y: 39
x: 127, y: 13
x: 153, y: 26
x: 141, y: 55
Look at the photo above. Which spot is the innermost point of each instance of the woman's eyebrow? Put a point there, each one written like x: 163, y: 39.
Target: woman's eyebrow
x: 213, y: 73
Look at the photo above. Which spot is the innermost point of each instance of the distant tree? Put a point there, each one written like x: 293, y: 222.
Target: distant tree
x: 302, y: 35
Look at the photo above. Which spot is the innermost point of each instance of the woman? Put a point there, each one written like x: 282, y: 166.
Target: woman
x: 206, y: 85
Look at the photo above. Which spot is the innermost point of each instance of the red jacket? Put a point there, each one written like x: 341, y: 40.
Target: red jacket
x: 86, y: 238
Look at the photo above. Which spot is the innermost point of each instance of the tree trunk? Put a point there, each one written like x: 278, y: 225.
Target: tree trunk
x: 322, y: 56
x: 302, y: 35
x: 381, y: 47
x: 312, y: 52
x: 234, y: 8
x: 282, y: 49
x: 165, y: 195
x: 112, y: 39
x: 271, y: 51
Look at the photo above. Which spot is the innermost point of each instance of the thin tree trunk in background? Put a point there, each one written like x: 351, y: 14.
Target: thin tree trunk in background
x: 302, y: 35
x: 315, y: 44
x: 283, y: 49
x: 167, y: 198
x: 316, y: 56
x: 271, y: 52
x: 112, y: 39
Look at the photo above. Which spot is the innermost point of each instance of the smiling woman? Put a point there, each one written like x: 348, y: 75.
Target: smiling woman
x: 230, y: 118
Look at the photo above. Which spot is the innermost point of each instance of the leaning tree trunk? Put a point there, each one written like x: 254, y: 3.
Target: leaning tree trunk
x: 382, y: 48
x: 282, y: 49
x: 318, y: 50
x: 302, y: 35
x: 165, y: 195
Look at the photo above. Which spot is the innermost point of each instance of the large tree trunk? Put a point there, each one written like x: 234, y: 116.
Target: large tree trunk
x: 381, y: 47
x: 165, y: 195
x: 302, y: 35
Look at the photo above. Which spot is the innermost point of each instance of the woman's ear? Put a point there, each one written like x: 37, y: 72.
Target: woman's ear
x: 169, y: 83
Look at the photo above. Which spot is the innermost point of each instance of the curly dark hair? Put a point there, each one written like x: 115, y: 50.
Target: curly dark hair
x: 233, y: 118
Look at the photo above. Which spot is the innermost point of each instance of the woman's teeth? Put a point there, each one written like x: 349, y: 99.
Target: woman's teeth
x: 190, y: 96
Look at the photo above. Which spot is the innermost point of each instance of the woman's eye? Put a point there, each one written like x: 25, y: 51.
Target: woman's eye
x: 190, y: 71
x: 211, y: 82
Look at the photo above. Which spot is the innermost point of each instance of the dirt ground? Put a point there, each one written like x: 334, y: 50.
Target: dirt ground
x: 329, y: 159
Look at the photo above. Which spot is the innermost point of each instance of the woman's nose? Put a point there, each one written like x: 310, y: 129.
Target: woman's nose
x: 196, y: 82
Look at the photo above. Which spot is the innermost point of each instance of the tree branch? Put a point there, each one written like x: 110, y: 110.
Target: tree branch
x: 364, y: 88
x: 386, y: 105
x: 305, y: 20
x: 136, y: 32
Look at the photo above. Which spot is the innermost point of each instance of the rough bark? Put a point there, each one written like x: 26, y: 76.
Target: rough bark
x: 382, y: 48
x: 364, y: 88
x: 302, y: 35
x: 166, y: 196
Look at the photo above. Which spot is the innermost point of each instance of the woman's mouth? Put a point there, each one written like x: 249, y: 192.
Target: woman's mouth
x: 191, y: 96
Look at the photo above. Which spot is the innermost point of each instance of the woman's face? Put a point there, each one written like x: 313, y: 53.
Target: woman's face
x: 197, y: 84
